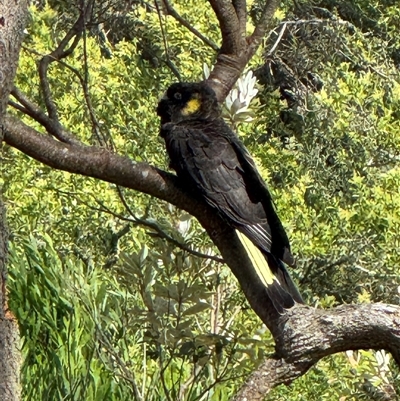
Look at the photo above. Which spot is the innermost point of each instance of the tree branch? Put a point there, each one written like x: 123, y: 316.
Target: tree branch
x: 229, y: 25
x: 168, y: 61
x: 102, y: 164
x: 173, y: 13
x: 92, y: 161
x: 236, y: 50
x: 262, y: 25
x: 302, y: 336
x: 110, y: 167
x: 310, y: 334
x: 241, y: 12
x: 59, y: 53
x: 157, y: 230
x: 33, y: 110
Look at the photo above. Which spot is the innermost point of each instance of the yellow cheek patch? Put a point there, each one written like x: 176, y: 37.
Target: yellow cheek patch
x: 191, y: 107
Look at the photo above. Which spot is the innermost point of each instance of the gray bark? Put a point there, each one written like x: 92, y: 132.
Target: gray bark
x: 12, y: 22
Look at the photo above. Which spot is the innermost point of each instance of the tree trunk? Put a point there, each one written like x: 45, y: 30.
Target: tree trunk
x: 12, y: 23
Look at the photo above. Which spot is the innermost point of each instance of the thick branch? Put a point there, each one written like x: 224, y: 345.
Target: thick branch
x: 241, y: 12
x: 310, y: 334
x: 236, y: 50
x: 102, y: 164
x: 303, y: 336
x: 262, y: 25
x: 229, y: 25
x: 92, y: 161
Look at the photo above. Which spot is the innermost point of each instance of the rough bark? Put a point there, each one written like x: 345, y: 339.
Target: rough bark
x: 309, y: 334
x: 12, y: 22
x: 237, y: 49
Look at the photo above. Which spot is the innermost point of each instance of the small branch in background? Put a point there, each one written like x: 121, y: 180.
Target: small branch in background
x: 279, y: 38
x: 57, y: 54
x: 173, y: 13
x: 144, y: 222
x: 62, y: 51
x: 101, y: 138
x: 160, y: 233
x: 318, y: 266
x: 318, y: 21
x: 53, y: 127
x: 168, y: 61
x: 92, y: 114
x: 31, y: 109
x: 123, y: 371
x: 112, y: 255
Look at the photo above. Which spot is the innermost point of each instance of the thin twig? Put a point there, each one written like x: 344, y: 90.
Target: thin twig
x: 319, y: 21
x: 92, y: 114
x: 322, y: 267
x: 282, y: 31
x: 52, y: 127
x: 168, y: 61
x: 60, y: 52
x: 162, y: 234
x: 43, y: 67
x: 136, y: 221
x: 85, y: 87
x: 173, y: 13
x: 31, y: 109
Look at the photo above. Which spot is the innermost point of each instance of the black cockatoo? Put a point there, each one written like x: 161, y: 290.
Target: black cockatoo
x: 210, y: 159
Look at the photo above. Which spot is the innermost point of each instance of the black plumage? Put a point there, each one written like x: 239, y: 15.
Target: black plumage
x: 209, y: 157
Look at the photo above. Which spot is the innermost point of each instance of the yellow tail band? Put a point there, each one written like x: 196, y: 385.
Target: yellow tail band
x: 258, y: 260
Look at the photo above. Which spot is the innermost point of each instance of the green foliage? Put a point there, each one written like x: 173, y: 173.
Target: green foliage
x: 353, y: 376
x: 335, y: 165
x: 149, y: 328
x: 50, y: 298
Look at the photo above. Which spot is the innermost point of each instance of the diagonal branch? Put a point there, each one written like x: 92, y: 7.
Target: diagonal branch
x: 62, y: 51
x: 102, y: 139
x: 91, y: 161
x: 229, y: 25
x: 236, y: 50
x: 303, y: 335
x: 110, y: 167
x: 157, y: 230
x: 33, y: 110
x: 310, y: 334
x: 173, y: 13
x: 241, y: 12
x: 262, y: 25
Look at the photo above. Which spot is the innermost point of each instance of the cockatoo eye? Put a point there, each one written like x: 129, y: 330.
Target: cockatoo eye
x: 178, y: 96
